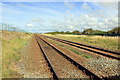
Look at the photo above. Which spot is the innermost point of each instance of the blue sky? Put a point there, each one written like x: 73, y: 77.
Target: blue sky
x: 60, y: 16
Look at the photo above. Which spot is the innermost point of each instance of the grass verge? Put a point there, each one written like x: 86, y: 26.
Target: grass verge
x: 11, y: 52
x: 106, y: 42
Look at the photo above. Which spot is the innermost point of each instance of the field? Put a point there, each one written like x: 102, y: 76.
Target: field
x: 12, y: 45
x: 22, y: 51
x: 105, y: 42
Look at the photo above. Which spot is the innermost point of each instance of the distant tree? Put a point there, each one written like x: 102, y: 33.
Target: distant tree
x: 67, y: 32
x: 76, y: 32
x: 98, y: 32
x: 114, y: 31
x: 93, y: 32
x: 87, y: 31
x: 62, y: 32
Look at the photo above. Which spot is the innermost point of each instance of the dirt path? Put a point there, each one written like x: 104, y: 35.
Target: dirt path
x: 32, y: 64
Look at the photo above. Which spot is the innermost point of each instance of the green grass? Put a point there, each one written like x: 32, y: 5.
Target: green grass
x: 11, y: 52
x: 79, y: 53
x: 75, y: 51
x: 106, y: 42
x: 61, y: 45
x: 87, y: 56
x: 82, y: 54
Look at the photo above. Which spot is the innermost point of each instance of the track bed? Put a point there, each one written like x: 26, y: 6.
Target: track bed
x: 63, y: 67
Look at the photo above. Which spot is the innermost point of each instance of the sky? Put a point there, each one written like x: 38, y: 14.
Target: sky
x: 40, y: 17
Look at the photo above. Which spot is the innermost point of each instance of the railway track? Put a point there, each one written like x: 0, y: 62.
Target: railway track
x: 61, y: 65
x: 103, y: 52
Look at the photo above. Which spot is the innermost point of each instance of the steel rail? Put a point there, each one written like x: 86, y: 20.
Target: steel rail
x: 78, y: 65
x: 112, y: 52
x: 55, y: 75
x: 78, y: 45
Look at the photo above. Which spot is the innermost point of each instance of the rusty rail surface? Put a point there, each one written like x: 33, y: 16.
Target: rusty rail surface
x: 103, y: 52
x: 55, y: 76
x: 78, y: 65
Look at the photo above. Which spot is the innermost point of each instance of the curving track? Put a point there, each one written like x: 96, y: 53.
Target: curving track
x: 103, y: 52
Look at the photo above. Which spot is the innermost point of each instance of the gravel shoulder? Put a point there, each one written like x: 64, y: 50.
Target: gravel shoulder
x: 98, y: 64
x: 33, y: 64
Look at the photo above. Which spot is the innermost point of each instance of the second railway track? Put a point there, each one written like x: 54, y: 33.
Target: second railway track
x: 103, y: 52
x: 63, y: 66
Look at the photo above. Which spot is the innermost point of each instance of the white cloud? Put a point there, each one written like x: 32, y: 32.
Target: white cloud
x: 111, y: 5
x: 70, y: 5
x: 81, y: 22
x: 85, y: 6
x: 30, y: 9
x: 102, y: 19
x: 29, y: 25
x: 38, y: 20
x: 60, y: 0
x: 12, y: 10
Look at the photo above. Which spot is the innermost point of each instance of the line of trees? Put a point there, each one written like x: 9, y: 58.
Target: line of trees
x: 113, y: 32
x: 67, y: 32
